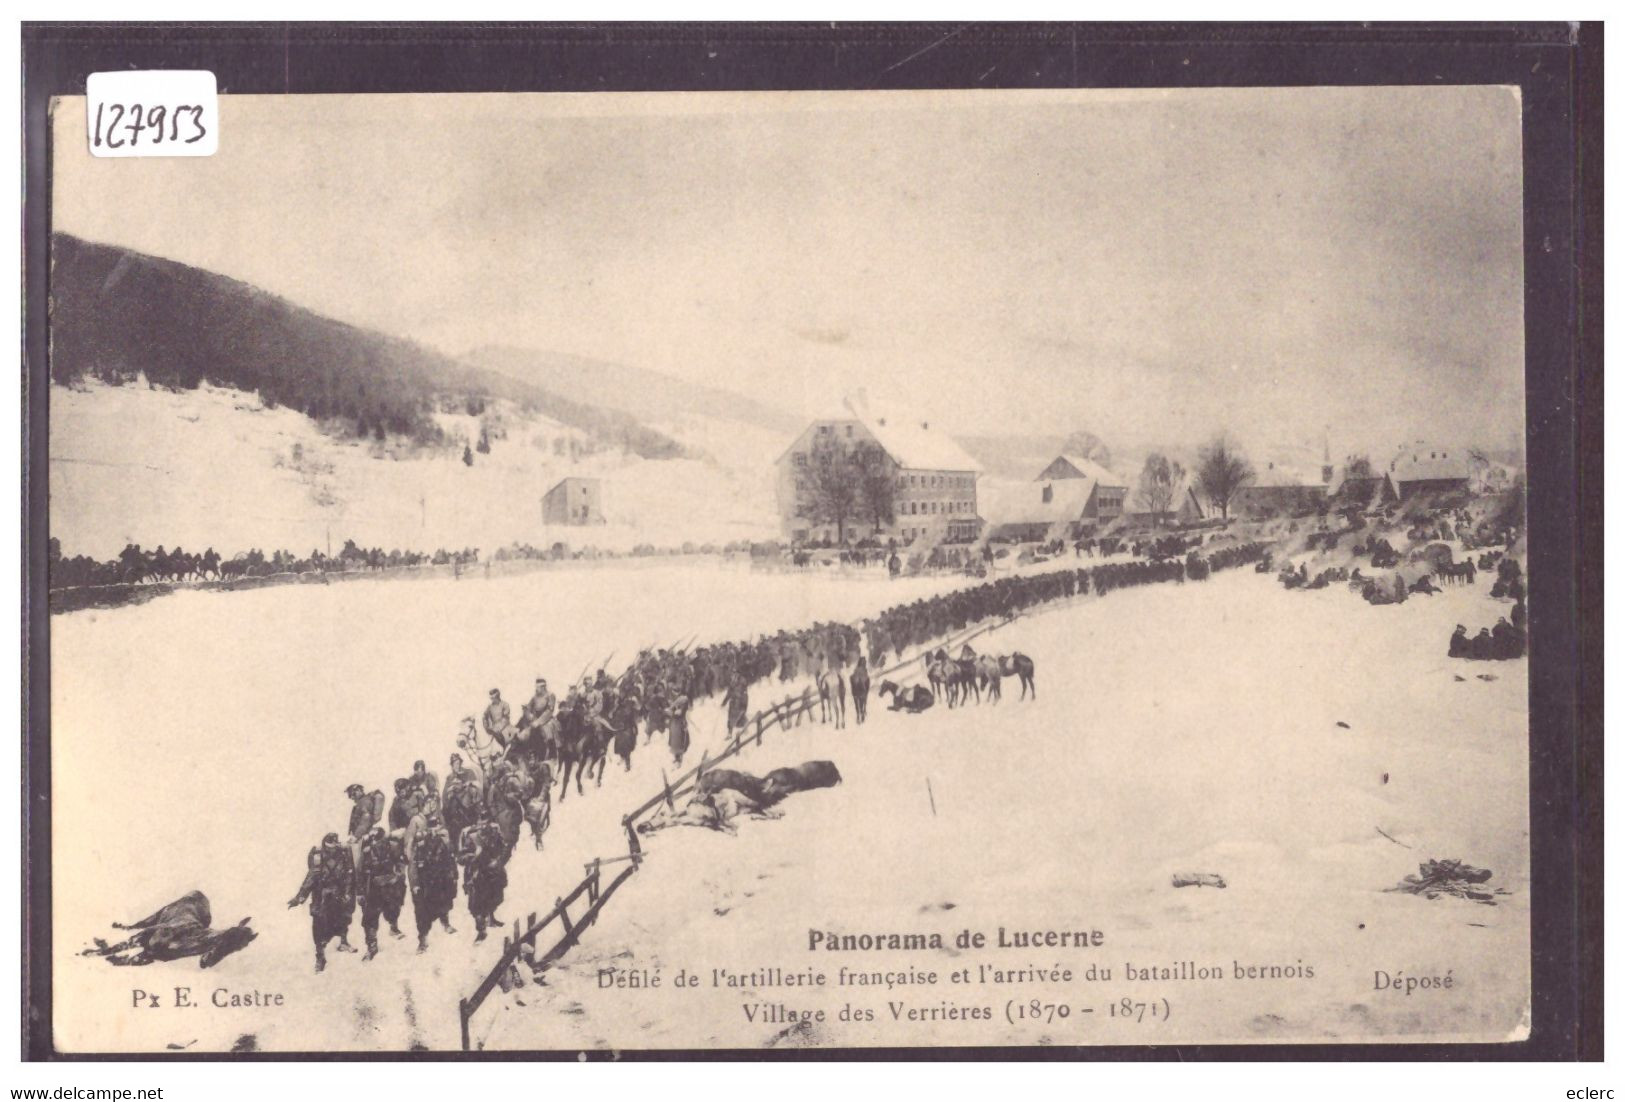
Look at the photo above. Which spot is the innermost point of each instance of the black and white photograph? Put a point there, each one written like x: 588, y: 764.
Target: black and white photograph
x: 790, y: 571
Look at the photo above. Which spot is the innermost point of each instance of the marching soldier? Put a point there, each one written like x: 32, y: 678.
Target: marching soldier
x: 383, y: 886
x: 424, y: 782
x: 407, y: 804
x: 677, y: 726
x: 483, y: 855
x: 329, y: 884
x: 432, y: 872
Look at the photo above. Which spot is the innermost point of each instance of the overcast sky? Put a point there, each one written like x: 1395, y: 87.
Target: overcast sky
x: 1151, y: 266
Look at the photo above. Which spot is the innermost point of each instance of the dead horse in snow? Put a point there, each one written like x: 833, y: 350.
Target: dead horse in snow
x: 769, y: 790
x: 910, y: 698
x: 801, y: 778
x: 175, y: 930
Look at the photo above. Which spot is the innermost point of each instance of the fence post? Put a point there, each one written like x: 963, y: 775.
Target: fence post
x: 564, y: 917
x: 634, y: 848
x: 462, y: 1014
x: 758, y: 728
x: 667, y: 783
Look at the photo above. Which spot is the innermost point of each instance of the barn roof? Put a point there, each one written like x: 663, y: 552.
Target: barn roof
x: 1276, y: 475
x: 913, y: 445
x: 916, y: 446
x: 1023, y: 502
x: 1094, y: 472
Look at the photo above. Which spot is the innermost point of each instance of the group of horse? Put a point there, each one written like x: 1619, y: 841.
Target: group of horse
x: 135, y: 565
x: 957, y: 680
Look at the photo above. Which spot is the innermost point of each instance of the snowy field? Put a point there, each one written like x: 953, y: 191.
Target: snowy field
x: 1178, y: 729
x: 204, y: 741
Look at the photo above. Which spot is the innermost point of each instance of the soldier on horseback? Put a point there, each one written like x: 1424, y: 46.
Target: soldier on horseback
x: 464, y: 797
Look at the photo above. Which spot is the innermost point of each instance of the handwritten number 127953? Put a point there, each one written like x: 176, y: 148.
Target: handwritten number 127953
x: 118, y: 125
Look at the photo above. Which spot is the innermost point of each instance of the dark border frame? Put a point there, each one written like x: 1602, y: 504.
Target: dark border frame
x: 1557, y: 66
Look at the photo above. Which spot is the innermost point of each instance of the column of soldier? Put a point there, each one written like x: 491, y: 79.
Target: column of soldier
x: 474, y: 821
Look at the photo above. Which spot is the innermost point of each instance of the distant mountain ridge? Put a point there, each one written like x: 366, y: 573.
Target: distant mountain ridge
x: 117, y: 313
x: 645, y: 394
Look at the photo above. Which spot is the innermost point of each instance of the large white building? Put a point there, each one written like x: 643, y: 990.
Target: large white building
x: 934, y: 500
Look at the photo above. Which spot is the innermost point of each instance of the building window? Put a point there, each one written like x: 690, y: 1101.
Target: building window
x: 849, y: 430
x: 801, y: 459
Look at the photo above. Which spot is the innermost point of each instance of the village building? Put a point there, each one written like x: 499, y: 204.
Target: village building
x: 1429, y: 469
x: 1107, y: 490
x: 1186, y: 506
x: 574, y: 500
x: 1366, y: 493
x: 1282, y: 490
x: 1071, y: 497
x: 1490, y: 476
x: 934, y: 496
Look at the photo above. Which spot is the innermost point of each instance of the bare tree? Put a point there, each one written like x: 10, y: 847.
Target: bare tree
x: 833, y: 479
x: 877, y: 484
x: 1221, y: 470
x: 1160, y: 480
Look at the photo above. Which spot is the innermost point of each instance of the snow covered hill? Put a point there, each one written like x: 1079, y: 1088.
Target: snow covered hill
x: 216, y: 467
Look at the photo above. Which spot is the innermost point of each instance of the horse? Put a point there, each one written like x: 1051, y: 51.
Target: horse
x: 539, y: 804
x: 509, y: 791
x: 965, y: 679
x: 175, y: 930
x: 989, y: 676
x: 912, y: 699
x: 1021, y: 666
x: 574, y: 749
x: 940, y: 672
x: 832, y: 698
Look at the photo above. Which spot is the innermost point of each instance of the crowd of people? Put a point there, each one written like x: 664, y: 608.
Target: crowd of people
x: 1509, y: 638
x: 415, y: 847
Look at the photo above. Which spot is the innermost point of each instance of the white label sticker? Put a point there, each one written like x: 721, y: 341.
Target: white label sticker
x: 153, y: 113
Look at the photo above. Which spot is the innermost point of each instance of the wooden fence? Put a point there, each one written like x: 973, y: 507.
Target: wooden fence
x: 526, y: 931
